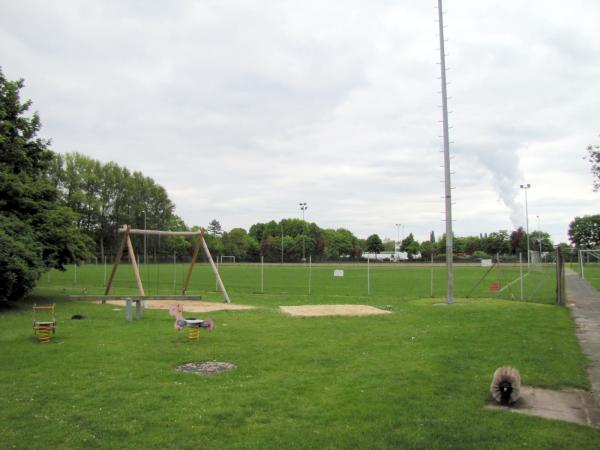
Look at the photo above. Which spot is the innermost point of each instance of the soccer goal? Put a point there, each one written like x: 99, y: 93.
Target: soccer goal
x: 589, y: 264
x: 226, y: 259
x: 535, y: 260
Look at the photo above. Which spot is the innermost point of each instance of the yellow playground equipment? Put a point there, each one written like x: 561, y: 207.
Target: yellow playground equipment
x: 43, y: 327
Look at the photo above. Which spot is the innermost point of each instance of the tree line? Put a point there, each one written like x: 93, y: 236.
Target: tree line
x: 289, y: 239
x: 59, y: 209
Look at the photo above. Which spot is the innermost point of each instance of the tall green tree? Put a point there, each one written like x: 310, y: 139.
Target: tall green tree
x: 107, y: 196
x: 37, y: 232
x: 410, y: 245
x: 214, y: 228
x: 584, y: 232
x: 374, y: 244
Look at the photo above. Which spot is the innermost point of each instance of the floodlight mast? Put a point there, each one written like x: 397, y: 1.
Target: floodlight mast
x: 447, y: 183
x: 525, y: 187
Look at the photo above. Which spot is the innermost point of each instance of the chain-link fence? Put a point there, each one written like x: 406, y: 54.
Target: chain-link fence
x: 505, y: 277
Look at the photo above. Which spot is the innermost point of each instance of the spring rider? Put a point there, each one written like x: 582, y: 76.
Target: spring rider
x: 43, y: 328
x: 192, y: 324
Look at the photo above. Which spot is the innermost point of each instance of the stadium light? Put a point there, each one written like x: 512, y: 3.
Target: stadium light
x: 525, y: 187
x: 303, y: 207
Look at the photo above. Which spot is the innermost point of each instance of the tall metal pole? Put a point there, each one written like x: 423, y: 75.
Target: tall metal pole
x: 369, y: 274
x: 303, y: 207
x: 282, y: 243
x: 540, y: 235
x: 398, y: 225
x: 525, y: 187
x: 447, y: 181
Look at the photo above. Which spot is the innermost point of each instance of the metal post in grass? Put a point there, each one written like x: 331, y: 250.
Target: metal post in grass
x: 521, y: 272
x: 75, y: 272
x: 560, y: 281
x: 581, y: 264
x: 262, y: 274
x: 431, y: 278
x: 309, y: 272
x: 174, y: 271
x: 447, y: 181
x: 104, y: 284
x: 369, y: 275
x: 525, y: 187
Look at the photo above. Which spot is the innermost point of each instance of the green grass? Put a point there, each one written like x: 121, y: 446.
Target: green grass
x: 591, y: 272
x: 415, y: 378
x: 405, y: 281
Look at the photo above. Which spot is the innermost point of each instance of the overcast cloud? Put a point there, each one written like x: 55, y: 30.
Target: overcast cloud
x: 243, y: 109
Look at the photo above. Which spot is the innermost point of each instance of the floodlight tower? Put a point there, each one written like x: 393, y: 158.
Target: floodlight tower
x: 303, y: 207
x: 447, y: 183
x: 525, y: 187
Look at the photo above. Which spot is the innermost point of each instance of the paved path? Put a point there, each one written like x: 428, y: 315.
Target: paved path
x: 584, y: 301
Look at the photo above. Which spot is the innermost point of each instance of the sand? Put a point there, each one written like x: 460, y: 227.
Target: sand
x: 332, y: 310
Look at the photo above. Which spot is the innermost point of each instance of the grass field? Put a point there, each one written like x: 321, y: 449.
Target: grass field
x: 591, y: 272
x: 404, y: 281
x: 416, y: 378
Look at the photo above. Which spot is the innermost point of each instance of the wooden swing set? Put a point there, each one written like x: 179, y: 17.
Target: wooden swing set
x: 127, y: 231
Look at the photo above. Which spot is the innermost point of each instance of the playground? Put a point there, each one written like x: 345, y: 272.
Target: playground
x: 415, y: 376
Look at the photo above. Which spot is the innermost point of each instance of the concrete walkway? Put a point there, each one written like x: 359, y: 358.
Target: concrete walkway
x: 584, y: 302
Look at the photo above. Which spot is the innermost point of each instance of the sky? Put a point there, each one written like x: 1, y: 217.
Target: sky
x: 243, y: 109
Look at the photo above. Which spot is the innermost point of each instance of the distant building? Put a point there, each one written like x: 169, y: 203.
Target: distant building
x: 389, y: 256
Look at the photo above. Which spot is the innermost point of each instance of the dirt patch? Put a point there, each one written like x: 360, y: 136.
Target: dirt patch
x: 206, y: 367
x: 570, y: 405
x: 188, y: 305
x: 332, y: 310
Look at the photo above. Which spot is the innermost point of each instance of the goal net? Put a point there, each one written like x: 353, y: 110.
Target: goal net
x: 227, y: 259
x: 535, y: 260
x: 589, y: 264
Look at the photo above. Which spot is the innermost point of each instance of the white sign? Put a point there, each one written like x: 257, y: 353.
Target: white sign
x: 486, y: 263
x: 338, y: 273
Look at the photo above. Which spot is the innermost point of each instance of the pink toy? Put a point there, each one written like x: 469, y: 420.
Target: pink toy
x: 176, y: 310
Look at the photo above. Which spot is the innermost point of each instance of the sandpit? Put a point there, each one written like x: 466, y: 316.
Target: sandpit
x: 570, y: 405
x: 188, y: 305
x: 332, y: 310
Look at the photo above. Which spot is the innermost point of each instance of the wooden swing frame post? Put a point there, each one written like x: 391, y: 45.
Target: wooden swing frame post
x: 127, y: 231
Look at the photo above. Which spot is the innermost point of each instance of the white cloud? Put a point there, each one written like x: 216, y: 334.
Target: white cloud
x: 243, y: 109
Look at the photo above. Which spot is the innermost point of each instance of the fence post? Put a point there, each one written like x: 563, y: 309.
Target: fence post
x: 309, y: 272
x: 521, y: 272
x: 368, y: 275
x: 431, y: 277
x: 262, y: 274
x: 560, y: 278
x: 174, y: 270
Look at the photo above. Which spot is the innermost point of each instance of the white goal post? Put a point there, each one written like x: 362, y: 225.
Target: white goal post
x: 535, y: 260
x: 226, y: 259
x: 588, y: 256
